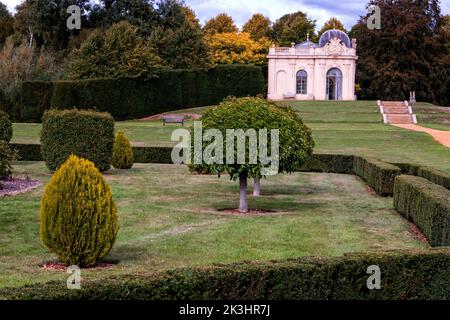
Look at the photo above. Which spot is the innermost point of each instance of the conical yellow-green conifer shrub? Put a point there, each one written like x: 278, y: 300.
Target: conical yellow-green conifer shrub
x: 78, y: 217
x: 122, y: 152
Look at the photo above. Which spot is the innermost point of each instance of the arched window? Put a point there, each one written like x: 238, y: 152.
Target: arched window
x: 302, y: 82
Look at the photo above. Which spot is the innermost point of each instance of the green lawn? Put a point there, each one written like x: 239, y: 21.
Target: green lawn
x: 170, y: 218
x: 338, y: 127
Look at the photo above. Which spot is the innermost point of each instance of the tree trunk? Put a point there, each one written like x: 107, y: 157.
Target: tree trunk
x: 243, y: 203
x: 257, y: 187
x: 30, y: 43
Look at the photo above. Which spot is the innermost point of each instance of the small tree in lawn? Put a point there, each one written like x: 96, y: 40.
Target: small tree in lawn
x: 247, y: 114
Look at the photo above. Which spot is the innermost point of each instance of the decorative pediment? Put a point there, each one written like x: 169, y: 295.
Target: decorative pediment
x: 334, y: 47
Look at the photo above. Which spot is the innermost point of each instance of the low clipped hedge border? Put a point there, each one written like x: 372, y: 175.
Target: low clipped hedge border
x: 332, y: 163
x: 378, y: 174
x: 32, y: 152
x: 439, y: 177
x: 404, y: 275
x: 427, y: 205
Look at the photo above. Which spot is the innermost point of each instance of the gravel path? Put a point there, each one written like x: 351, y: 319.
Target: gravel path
x: 443, y: 137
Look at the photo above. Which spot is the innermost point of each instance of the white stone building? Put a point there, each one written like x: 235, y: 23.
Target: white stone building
x: 310, y: 71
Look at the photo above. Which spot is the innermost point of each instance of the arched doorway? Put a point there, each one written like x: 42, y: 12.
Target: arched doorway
x: 334, y: 84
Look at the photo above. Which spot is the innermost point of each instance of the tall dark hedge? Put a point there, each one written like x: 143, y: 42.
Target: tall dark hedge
x: 130, y: 98
x: 35, y: 98
x: 6, y: 130
x: 87, y: 134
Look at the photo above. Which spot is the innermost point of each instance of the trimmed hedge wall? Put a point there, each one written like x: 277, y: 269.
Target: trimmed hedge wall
x: 439, y: 177
x: 32, y: 152
x: 28, y: 152
x: 427, y: 205
x: 378, y: 174
x: 87, y: 134
x: 130, y: 98
x: 152, y: 154
x: 404, y: 275
x: 334, y: 163
x: 35, y: 98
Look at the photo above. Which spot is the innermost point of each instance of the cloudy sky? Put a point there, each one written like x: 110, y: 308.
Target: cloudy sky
x: 347, y: 11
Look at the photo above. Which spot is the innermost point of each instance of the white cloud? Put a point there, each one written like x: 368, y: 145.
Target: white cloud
x: 348, y: 11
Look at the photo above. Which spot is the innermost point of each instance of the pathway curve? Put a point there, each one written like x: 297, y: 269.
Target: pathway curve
x: 443, y: 137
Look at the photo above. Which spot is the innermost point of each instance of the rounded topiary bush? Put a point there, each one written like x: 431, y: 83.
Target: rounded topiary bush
x: 122, y: 152
x: 78, y: 217
x: 6, y: 130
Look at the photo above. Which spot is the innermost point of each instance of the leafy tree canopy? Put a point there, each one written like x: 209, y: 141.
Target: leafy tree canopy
x: 45, y: 22
x: 258, y: 27
x: 6, y: 23
x: 409, y: 53
x: 118, y: 52
x: 332, y: 23
x: 293, y: 28
x: 230, y: 48
x: 222, y: 23
x: 140, y: 13
x: 295, y: 138
x: 178, y: 38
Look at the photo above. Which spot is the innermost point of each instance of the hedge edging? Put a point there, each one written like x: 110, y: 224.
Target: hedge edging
x: 427, y: 205
x: 404, y: 275
x: 378, y: 174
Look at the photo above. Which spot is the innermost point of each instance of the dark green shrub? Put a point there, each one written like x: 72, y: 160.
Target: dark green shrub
x: 7, y: 154
x: 87, y: 134
x: 404, y: 275
x: 130, y: 98
x: 78, y: 217
x: 427, y: 205
x: 6, y: 130
x: 378, y: 174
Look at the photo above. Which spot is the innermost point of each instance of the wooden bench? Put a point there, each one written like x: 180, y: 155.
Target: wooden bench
x: 173, y: 119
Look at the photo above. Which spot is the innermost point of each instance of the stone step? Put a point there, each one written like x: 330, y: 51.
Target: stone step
x: 393, y: 104
x: 400, y: 118
x: 400, y: 110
